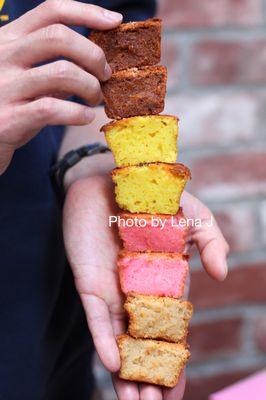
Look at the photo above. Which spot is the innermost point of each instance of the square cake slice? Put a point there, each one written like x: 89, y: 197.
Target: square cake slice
x: 143, y: 139
x: 151, y: 361
x: 135, y: 91
x: 133, y: 44
x: 158, y: 274
x: 154, y: 317
x: 153, y: 188
x: 157, y: 233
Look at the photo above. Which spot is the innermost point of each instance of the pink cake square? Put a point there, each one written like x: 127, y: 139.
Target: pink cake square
x: 251, y: 388
x: 158, y: 233
x: 158, y: 274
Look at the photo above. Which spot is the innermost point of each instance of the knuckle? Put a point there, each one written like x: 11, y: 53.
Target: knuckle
x: 98, y: 55
x: 62, y: 69
x: 44, y: 107
x: 95, y: 89
x: 54, y: 5
x: 55, y: 32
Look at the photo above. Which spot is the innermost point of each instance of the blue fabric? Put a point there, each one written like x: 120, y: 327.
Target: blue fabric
x: 45, y: 347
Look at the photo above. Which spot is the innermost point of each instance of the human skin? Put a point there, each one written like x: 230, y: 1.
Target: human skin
x: 92, y: 249
x: 31, y: 96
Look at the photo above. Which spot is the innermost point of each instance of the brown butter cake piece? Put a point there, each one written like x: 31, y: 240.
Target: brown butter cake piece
x: 135, y: 91
x: 133, y: 44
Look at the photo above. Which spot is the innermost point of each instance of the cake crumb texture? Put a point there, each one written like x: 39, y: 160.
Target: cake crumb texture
x: 158, y: 274
x: 153, y: 188
x: 157, y: 317
x: 135, y: 91
x: 132, y: 44
x: 143, y: 139
x: 151, y: 361
x: 158, y: 233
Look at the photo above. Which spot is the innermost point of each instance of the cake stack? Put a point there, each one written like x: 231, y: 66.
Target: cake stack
x: 148, y: 185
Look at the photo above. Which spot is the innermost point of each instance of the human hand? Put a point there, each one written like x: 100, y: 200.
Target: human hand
x: 92, y: 251
x: 31, y: 96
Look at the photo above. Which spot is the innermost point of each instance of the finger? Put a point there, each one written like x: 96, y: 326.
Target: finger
x: 60, y: 76
x: 178, y: 391
x: 62, y: 11
x: 150, y: 392
x: 100, y: 326
x: 22, y: 122
x: 213, y: 250
x: 210, y: 241
x: 58, y: 41
x: 125, y: 389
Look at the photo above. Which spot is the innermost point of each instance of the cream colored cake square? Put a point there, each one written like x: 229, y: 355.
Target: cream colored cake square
x: 155, y: 317
x: 151, y: 361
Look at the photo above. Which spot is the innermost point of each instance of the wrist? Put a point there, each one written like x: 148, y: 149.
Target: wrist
x: 98, y: 165
x: 78, y: 163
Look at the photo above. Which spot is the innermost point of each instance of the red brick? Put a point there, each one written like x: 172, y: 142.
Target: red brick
x: 170, y: 57
x: 215, y: 118
x: 234, y: 219
x: 228, y: 176
x: 218, y: 62
x: 208, y: 13
x: 244, y: 285
x: 260, y: 333
x: 200, y: 388
x: 216, y: 338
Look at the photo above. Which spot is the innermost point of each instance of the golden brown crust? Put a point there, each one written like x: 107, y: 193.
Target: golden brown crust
x: 105, y: 128
x: 126, y: 215
x: 140, y: 72
x: 152, y: 255
x: 129, y: 26
x: 175, y: 169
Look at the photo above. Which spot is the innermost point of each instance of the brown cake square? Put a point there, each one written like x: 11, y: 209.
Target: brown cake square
x: 134, y: 44
x: 135, y: 92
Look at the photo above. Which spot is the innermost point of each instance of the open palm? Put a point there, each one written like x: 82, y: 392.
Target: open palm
x: 92, y: 248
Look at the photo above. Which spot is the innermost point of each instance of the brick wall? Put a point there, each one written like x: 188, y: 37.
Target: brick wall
x: 216, y: 54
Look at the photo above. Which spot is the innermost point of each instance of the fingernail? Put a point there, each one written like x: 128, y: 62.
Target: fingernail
x: 89, y: 114
x: 107, y: 71
x: 225, y: 271
x: 113, y: 16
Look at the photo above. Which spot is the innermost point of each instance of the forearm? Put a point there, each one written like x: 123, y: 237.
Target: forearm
x: 77, y: 136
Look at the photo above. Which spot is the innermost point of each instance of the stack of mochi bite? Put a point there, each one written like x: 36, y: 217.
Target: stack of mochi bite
x: 152, y: 266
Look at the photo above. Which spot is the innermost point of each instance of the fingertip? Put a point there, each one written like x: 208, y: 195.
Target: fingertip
x: 89, y: 114
x: 217, y: 268
x: 110, y: 359
x: 113, y: 16
x: 107, y: 72
x: 222, y: 271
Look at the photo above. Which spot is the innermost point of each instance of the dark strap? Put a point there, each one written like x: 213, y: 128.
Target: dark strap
x: 72, y: 158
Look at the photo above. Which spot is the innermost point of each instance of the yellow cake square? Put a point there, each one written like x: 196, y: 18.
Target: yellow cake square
x: 153, y: 188
x: 143, y: 139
